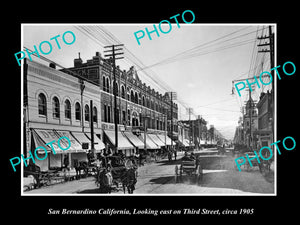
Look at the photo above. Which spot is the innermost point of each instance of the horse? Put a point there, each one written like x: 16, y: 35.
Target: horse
x: 129, y: 179
x: 105, y: 181
x: 80, y: 166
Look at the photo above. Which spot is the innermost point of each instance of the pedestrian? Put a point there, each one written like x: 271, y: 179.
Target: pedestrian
x: 170, y: 155
x: 66, y: 161
x: 175, y: 154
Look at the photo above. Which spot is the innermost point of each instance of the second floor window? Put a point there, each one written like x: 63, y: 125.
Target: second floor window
x: 42, y: 105
x: 67, y: 109
x: 87, y: 113
x: 55, y: 107
x: 77, y: 111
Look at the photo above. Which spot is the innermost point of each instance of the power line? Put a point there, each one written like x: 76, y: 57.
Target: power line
x: 199, y: 47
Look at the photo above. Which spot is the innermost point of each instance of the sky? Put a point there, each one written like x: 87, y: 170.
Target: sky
x: 202, y: 81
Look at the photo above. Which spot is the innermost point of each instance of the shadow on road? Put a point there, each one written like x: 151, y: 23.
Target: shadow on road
x: 167, y: 162
x: 90, y: 191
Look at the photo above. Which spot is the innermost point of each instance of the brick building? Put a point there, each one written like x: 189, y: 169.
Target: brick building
x: 138, y: 105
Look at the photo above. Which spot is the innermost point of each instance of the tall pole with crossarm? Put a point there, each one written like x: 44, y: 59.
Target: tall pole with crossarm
x: 113, y: 54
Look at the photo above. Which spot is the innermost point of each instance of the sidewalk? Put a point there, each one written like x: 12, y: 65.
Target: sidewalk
x: 69, y: 187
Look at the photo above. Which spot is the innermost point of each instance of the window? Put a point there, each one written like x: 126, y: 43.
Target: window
x: 94, y: 114
x: 122, y: 91
x: 136, y: 99
x: 116, y: 88
x: 132, y: 96
x: 124, y: 117
x: 67, y: 109
x: 77, y: 111
x: 55, y: 107
x: 87, y: 113
x: 42, y: 105
x: 107, y: 84
x: 143, y: 101
x: 128, y: 117
x: 135, y: 121
x: 108, y: 114
x: 104, y: 83
x: 105, y: 113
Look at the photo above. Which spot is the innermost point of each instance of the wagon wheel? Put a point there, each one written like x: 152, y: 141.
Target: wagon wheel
x: 176, y: 174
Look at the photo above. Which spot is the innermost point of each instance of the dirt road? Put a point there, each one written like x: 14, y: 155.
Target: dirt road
x: 220, y: 177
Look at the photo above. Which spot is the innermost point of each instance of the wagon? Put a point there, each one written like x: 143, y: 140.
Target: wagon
x: 264, y: 166
x: 123, y: 173
x: 190, y: 168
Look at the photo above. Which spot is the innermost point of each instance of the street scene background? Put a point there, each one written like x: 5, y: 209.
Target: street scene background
x: 172, y: 95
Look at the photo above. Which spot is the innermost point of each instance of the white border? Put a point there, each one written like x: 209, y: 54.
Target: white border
x: 134, y: 24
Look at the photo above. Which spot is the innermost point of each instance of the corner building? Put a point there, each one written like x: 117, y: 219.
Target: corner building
x: 57, y: 104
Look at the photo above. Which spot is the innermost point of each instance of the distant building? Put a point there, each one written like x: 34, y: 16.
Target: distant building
x: 265, y: 108
x: 250, y: 124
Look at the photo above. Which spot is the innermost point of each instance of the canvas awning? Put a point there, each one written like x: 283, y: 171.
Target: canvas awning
x: 134, y: 139
x: 185, y: 143
x: 149, y: 143
x: 168, y: 140
x: 75, y: 145
x: 98, y: 143
x: 46, y: 136
x: 81, y: 138
x: 123, y: 142
x: 156, y: 140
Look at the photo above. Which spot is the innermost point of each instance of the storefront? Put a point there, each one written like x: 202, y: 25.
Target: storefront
x: 62, y: 158
x: 123, y: 144
x: 134, y: 140
x: 150, y: 144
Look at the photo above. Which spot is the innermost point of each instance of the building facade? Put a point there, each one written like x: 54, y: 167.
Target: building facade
x: 265, y: 120
x: 138, y: 105
x: 57, y: 104
x: 250, y: 124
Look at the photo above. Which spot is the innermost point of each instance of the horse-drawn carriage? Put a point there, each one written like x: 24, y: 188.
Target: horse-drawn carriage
x: 263, y: 165
x: 189, y: 166
x: 116, y: 172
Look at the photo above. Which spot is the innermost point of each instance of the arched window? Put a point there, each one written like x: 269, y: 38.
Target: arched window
x: 132, y: 96
x: 135, y: 121
x: 77, y: 111
x: 122, y: 91
x: 67, y: 109
x: 95, y: 114
x: 152, y: 104
x: 143, y: 101
x: 117, y: 88
x: 42, y: 104
x: 136, y: 99
x: 55, y: 107
x: 87, y: 113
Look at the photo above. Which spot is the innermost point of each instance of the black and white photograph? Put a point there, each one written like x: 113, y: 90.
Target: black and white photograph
x: 141, y: 112
x: 143, y: 109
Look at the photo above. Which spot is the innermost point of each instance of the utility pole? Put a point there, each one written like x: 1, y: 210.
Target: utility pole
x: 92, y: 128
x: 250, y: 112
x: 173, y: 96
x: 199, y: 130
x: 113, y: 55
x: 190, y: 110
x: 271, y: 50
